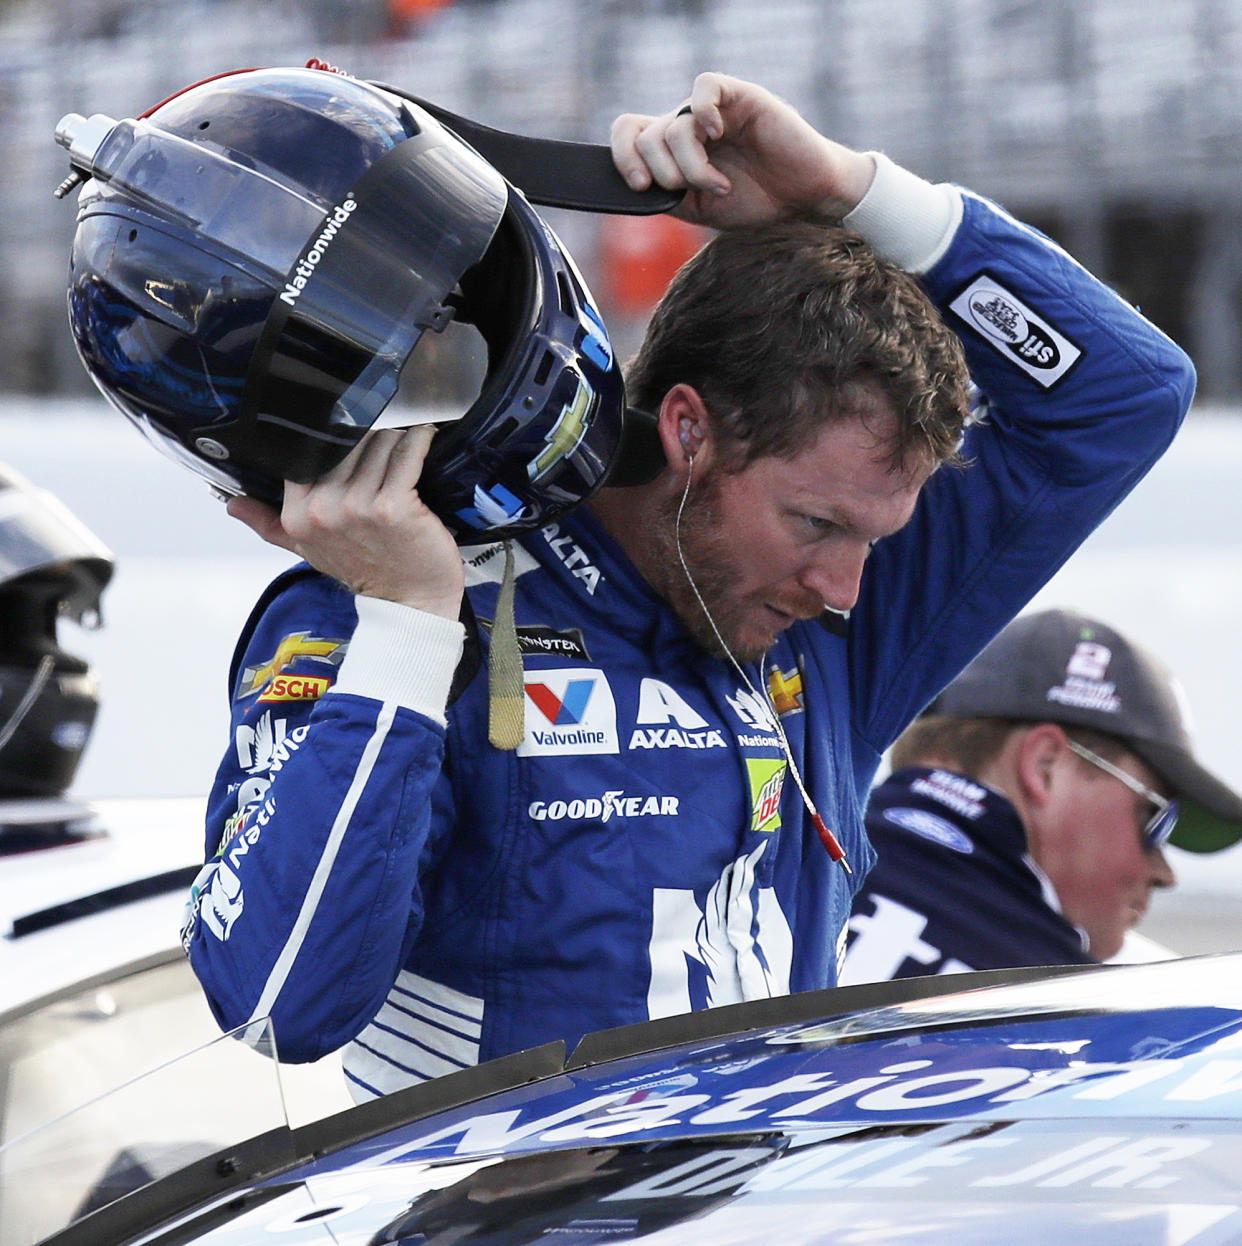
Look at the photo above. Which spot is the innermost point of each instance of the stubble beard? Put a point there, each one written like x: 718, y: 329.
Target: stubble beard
x: 707, y: 557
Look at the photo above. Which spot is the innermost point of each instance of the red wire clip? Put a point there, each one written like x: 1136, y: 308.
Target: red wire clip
x: 830, y: 841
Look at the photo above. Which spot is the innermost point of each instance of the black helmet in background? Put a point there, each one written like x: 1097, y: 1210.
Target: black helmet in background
x: 51, y: 567
x: 258, y: 257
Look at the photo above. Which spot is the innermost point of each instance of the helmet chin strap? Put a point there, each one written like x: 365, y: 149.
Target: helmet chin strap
x: 552, y: 172
x: 506, y: 685
x: 831, y: 844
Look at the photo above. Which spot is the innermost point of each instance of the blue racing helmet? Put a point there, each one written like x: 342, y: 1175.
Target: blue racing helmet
x: 257, y: 258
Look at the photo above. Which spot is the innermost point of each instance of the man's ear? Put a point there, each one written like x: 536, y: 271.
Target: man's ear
x: 684, y: 425
x: 1039, y: 750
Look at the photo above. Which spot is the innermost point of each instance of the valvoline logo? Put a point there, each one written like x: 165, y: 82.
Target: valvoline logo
x: 568, y: 711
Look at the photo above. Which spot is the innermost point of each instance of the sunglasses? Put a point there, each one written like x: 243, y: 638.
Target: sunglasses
x: 1160, y: 826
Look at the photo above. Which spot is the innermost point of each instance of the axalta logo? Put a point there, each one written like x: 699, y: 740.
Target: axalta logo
x: 569, y: 711
x: 305, y: 267
x: 667, y: 720
x: 573, y: 556
x: 602, y: 808
x: 296, y: 688
x: 1017, y: 331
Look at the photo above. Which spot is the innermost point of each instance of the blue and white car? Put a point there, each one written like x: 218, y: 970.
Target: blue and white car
x: 1092, y: 1105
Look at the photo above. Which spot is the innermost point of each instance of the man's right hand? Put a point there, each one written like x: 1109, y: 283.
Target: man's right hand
x: 743, y: 156
x: 364, y: 524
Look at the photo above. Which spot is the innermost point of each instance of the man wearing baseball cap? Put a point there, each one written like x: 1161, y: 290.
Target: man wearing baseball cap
x: 1025, y: 816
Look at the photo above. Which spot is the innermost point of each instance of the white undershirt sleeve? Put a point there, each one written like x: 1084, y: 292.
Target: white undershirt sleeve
x: 908, y: 221
x: 402, y: 655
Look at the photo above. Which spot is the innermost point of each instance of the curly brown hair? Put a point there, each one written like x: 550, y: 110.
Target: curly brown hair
x: 775, y: 325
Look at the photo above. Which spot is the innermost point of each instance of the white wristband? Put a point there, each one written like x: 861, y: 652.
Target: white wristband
x: 401, y: 654
x: 908, y: 221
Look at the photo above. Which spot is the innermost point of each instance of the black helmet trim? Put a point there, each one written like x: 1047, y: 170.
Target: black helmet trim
x: 554, y: 172
x: 541, y: 435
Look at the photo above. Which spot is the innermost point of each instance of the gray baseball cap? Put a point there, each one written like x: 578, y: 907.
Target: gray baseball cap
x: 1064, y: 667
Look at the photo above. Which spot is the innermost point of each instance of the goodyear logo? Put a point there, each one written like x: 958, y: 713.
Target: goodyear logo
x: 296, y: 688
x: 766, y: 776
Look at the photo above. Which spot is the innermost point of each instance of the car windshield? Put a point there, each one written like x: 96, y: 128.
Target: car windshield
x: 79, y: 1127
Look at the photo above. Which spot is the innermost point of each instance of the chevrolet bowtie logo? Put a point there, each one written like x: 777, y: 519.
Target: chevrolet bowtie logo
x: 785, y: 689
x: 297, y: 645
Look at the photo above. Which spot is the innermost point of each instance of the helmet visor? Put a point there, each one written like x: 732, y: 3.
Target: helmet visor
x: 370, y: 281
x: 354, y: 283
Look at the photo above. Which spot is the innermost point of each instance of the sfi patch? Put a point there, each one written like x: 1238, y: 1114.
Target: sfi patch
x: 1021, y: 335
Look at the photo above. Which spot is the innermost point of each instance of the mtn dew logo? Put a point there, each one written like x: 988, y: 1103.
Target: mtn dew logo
x: 767, y: 780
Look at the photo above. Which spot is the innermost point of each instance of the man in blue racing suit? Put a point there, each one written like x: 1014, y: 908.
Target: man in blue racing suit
x: 700, y: 732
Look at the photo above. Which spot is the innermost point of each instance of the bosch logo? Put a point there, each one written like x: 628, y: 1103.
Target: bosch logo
x: 296, y: 688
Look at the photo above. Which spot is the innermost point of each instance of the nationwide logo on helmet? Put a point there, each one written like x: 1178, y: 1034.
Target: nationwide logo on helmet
x: 305, y: 267
x: 295, y: 647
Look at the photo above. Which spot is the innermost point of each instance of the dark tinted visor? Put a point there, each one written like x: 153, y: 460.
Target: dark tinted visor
x: 354, y: 283
x: 376, y: 274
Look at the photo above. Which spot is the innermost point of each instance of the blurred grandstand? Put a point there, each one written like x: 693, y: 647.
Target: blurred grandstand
x: 1115, y: 126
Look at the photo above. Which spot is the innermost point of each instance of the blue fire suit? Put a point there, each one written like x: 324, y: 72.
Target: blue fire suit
x: 380, y: 877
